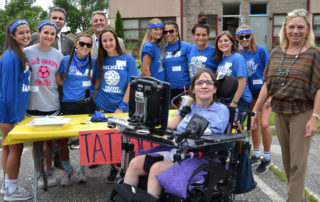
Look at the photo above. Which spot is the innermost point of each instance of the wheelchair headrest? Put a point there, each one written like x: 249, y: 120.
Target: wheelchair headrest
x: 227, y: 86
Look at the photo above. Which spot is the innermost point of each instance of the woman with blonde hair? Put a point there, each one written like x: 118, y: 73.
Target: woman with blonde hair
x: 292, y: 78
x: 151, y: 52
x: 257, y: 57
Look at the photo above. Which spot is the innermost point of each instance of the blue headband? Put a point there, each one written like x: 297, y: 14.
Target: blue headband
x: 155, y: 25
x: 245, y: 31
x: 47, y: 22
x: 16, y: 24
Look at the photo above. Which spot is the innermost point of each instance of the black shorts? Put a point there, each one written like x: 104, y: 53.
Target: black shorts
x: 31, y: 113
x: 255, y: 94
x: 80, y: 107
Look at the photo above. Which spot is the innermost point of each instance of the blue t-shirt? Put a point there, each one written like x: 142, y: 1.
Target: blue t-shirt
x: 77, y: 82
x: 201, y: 58
x: 156, y: 66
x: 14, y: 88
x: 235, y: 65
x: 176, y: 66
x: 217, y: 114
x: 117, y: 73
x: 256, y: 64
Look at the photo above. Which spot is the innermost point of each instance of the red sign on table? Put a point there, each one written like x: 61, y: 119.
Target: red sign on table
x: 104, y: 146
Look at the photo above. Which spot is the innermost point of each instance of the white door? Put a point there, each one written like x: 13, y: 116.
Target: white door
x: 259, y: 25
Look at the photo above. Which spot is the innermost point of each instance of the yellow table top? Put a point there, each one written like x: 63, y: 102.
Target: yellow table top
x: 24, y: 133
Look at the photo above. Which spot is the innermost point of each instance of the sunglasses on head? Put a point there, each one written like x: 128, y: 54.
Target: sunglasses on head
x: 300, y: 13
x: 82, y: 44
x: 247, y: 36
x: 168, y: 31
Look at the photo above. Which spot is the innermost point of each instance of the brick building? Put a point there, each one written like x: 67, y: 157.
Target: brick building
x: 264, y: 16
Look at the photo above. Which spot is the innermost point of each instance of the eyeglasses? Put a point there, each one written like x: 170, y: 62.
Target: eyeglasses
x: 247, y: 36
x: 82, y: 44
x: 300, y: 13
x: 169, y: 31
x: 208, y: 83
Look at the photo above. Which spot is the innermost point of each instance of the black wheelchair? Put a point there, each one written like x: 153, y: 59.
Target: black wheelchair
x: 221, y: 151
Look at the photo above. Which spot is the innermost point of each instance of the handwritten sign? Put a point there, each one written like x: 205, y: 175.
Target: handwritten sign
x: 104, y: 146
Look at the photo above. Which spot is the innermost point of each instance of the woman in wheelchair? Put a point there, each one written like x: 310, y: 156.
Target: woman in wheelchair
x: 203, y: 90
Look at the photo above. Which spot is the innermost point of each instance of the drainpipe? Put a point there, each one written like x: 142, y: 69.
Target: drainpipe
x: 181, y: 15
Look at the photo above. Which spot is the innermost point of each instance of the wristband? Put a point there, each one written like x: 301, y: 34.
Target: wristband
x: 234, y: 102
x: 123, y: 106
x: 316, y: 115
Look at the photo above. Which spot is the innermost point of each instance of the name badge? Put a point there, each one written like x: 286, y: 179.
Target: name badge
x: 176, y: 68
x: 257, y: 81
x: 86, y: 83
x: 121, y: 63
x: 34, y: 88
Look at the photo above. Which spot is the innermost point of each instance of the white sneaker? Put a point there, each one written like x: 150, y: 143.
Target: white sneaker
x: 66, y: 178
x: 3, y: 189
x: 81, y: 176
x: 20, y: 194
x: 51, y: 180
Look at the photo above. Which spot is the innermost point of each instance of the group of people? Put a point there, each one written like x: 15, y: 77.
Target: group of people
x: 31, y: 75
x: 177, y: 62
x: 94, y: 73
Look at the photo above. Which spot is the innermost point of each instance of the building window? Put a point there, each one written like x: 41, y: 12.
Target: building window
x: 316, y: 28
x: 134, y: 30
x: 213, y: 24
x: 276, y: 27
x: 258, y: 9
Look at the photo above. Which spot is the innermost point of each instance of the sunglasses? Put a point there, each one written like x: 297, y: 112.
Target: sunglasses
x: 200, y: 83
x: 301, y: 14
x: 247, y: 36
x: 82, y: 44
x: 169, y: 31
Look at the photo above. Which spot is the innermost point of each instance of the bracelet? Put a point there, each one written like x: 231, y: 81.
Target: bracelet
x: 234, y: 102
x: 123, y: 106
x: 316, y: 115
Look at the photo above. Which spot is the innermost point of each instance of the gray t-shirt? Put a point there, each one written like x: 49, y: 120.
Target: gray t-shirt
x: 44, y: 66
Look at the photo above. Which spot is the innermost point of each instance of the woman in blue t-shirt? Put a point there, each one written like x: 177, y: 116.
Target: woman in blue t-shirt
x: 201, y: 53
x: 257, y: 57
x: 231, y: 62
x: 151, y: 52
x: 176, y: 60
x: 14, y: 94
x: 77, y: 72
x: 115, y: 69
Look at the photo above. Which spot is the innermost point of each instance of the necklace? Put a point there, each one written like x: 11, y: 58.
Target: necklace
x: 286, y: 73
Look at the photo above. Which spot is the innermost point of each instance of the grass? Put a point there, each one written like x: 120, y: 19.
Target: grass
x: 282, y: 176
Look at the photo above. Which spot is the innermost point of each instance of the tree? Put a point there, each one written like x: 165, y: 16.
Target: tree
x: 20, y: 9
x: 119, y: 25
x: 79, y: 12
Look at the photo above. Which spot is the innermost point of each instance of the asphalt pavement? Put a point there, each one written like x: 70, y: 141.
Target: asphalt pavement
x: 269, y: 188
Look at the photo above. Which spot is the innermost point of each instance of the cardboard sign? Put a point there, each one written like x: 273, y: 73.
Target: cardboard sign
x: 104, y: 146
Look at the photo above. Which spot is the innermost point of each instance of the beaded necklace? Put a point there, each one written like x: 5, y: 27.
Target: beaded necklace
x: 286, y: 73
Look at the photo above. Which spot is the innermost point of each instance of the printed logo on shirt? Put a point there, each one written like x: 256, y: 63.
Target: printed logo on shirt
x: 252, y: 67
x: 75, y: 71
x: 44, y: 61
x: 43, y: 72
x: 225, y: 69
x: 26, y: 87
x: 112, y: 79
x: 196, y: 64
x: 169, y: 54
